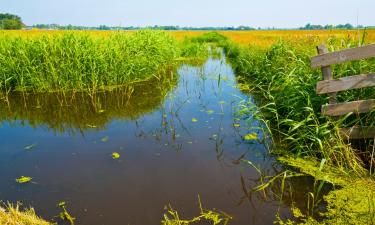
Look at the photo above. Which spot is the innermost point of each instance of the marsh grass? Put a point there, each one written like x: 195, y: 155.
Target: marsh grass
x: 78, y: 61
x: 13, y: 215
x: 285, y: 88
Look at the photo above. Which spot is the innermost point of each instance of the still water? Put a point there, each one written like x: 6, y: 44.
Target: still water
x: 178, y: 138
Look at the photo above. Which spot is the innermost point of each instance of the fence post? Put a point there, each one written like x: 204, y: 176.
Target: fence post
x: 327, y: 73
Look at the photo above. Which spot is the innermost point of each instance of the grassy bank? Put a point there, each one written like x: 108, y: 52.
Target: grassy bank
x: 79, y: 61
x: 285, y: 88
x: 13, y: 215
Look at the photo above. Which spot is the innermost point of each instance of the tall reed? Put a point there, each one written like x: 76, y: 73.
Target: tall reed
x: 285, y: 84
x: 79, y: 61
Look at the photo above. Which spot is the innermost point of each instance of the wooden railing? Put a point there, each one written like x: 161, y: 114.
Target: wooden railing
x: 331, y: 86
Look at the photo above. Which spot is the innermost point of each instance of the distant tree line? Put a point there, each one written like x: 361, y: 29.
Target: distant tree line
x: 239, y: 28
x: 347, y: 26
x: 10, y: 22
x: 156, y: 27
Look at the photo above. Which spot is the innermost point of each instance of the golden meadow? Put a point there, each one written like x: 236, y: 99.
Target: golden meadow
x: 262, y: 38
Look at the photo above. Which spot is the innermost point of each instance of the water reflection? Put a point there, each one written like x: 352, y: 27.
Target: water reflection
x: 177, y: 137
x: 80, y: 111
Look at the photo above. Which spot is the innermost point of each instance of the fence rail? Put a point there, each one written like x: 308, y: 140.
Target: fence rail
x: 332, y: 86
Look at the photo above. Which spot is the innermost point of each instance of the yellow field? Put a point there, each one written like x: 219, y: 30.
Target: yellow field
x: 266, y: 38
x: 261, y: 38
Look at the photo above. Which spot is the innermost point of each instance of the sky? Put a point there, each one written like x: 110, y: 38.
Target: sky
x: 198, y: 13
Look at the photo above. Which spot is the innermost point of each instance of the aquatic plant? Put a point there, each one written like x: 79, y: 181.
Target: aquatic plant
x: 115, y: 155
x: 206, y: 216
x: 23, y: 179
x: 77, y: 61
x: 65, y: 215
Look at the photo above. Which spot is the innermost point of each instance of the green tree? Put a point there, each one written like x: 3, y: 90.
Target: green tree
x: 10, y: 22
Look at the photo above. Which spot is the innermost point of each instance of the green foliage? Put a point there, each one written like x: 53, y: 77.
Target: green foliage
x: 206, y: 217
x: 351, y: 202
x: 14, y: 215
x: 211, y: 37
x: 65, y: 215
x: 81, y: 62
x: 10, y: 22
x: 285, y: 86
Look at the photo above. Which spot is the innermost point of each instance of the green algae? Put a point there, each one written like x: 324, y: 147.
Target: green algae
x: 352, y: 201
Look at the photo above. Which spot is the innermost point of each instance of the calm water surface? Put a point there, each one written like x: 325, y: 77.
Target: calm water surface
x: 176, y: 138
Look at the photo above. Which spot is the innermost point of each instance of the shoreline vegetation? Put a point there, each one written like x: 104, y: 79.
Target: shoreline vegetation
x: 13, y: 215
x: 281, y: 79
x: 275, y: 70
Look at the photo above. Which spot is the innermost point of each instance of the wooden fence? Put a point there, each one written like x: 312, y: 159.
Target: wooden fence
x: 332, y: 86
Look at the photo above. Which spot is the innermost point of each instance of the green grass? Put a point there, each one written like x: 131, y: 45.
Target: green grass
x: 13, y: 215
x: 77, y: 61
x: 285, y: 88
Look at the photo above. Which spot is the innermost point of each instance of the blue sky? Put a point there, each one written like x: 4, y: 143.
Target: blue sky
x: 260, y: 13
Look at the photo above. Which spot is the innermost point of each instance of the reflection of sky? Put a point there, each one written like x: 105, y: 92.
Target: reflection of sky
x: 165, y: 158
x: 267, y: 13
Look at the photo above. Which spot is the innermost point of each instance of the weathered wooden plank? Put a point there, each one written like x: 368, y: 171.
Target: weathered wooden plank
x: 327, y: 73
x: 346, y: 83
x: 343, y: 56
x: 358, y: 132
x: 347, y: 107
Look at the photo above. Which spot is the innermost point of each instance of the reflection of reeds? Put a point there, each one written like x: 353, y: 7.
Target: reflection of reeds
x: 69, y: 111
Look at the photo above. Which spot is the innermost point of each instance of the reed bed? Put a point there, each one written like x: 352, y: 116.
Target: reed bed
x: 281, y: 77
x: 80, y: 61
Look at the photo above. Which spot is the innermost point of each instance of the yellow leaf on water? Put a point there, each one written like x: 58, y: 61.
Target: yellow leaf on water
x: 115, y: 155
x: 250, y: 137
x: 236, y: 125
x: 210, y: 111
x: 194, y: 120
x: 23, y: 179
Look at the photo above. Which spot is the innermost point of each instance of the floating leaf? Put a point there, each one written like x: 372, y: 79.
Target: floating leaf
x: 115, y: 155
x: 105, y: 139
x: 250, y: 137
x: 194, y: 120
x: 222, y: 102
x: 236, y: 125
x: 30, y: 147
x: 210, y: 111
x: 23, y: 180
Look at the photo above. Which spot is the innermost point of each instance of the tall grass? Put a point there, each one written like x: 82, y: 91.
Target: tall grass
x: 74, y: 60
x: 285, y: 85
x: 13, y: 215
